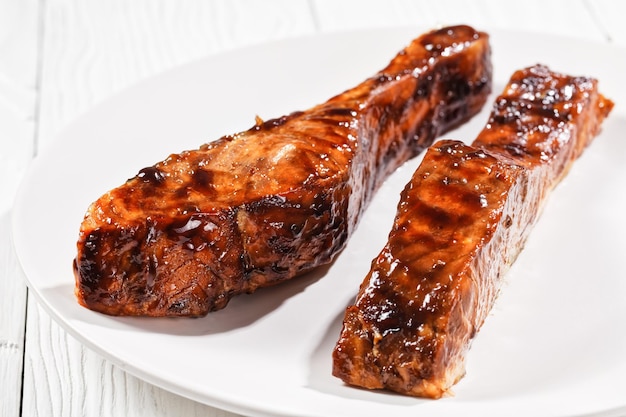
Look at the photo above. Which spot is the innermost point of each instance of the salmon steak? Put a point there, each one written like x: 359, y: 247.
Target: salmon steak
x: 259, y: 207
x: 461, y: 222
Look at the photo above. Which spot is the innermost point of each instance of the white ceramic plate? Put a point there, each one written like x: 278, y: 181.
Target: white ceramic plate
x: 554, y: 345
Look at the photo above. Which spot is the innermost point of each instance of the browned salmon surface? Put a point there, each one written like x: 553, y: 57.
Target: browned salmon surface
x: 461, y: 222
x: 259, y: 207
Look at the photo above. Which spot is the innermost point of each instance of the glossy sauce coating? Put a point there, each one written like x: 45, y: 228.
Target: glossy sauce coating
x: 461, y: 222
x: 261, y: 206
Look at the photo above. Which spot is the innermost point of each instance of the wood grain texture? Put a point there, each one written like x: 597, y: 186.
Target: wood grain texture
x: 554, y: 17
x: 609, y: 16
x: 18, y: 78
x: 93, y: 49
x: 12, y: 319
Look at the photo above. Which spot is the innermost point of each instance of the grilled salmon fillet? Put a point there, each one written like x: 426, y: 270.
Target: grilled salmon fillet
x: 259, y: 207
x: 461, y: 222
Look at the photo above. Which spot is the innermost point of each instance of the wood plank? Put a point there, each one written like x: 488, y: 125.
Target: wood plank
x: 18, y: 63
x: 556, y: 17
x: 13, y: 301
x: 609, y: 16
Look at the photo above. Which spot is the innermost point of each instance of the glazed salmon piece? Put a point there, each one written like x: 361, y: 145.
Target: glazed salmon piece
x: 461, y: 222
x: 262, y: 206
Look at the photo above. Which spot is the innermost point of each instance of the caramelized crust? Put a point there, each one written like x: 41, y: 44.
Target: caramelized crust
x: 262, y: 206
x: 461, y: 222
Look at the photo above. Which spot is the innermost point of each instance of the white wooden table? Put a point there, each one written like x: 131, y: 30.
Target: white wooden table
x: 60, y: 57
